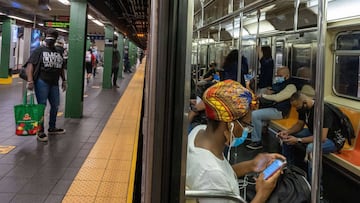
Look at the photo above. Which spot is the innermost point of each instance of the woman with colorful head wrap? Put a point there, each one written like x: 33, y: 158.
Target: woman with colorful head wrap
x: 226, y: 104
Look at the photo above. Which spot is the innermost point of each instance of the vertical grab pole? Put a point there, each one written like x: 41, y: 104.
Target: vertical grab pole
x: 257, y: 45
x: 319, y: 104
x: 241, y: 27
x: 296, y: 14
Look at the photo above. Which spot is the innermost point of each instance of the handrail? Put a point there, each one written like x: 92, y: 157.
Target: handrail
x: 215, y: 194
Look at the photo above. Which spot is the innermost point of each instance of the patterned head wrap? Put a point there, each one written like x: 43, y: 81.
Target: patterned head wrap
x: 226, y: 101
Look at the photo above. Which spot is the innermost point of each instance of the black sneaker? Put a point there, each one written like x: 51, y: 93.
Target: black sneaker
x: 56, y: 131
x: 254, y: 145
x: 42, y: 137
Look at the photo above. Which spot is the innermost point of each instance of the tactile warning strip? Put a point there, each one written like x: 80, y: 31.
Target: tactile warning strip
x: 6, y: 149
x: 108, y: 173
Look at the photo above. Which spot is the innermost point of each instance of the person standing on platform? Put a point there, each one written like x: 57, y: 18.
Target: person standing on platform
x: 115, y: 66
x: 127, y: 61
x: 44, y: 68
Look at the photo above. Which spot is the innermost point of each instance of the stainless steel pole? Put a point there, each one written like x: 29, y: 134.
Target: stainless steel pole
x: 241, y: 27
x: 319, y: 102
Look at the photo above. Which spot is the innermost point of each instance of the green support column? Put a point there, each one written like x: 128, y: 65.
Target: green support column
x: 121, y: 51
x: 108, y: 52
x: 5, y: 48
x: 76, y: 66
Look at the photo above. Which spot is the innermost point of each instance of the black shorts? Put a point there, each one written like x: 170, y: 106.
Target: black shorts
x: 88, y: 67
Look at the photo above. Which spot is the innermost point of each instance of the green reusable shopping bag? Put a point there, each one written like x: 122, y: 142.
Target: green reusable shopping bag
x: 28, y: 116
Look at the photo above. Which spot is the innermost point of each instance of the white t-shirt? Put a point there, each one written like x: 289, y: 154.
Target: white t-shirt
x: 204, y: 171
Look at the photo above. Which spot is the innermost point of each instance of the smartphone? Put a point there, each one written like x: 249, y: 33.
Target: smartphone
x: 273, y: 167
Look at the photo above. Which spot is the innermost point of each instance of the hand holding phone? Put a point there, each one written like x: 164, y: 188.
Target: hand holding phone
x: 276, y: 165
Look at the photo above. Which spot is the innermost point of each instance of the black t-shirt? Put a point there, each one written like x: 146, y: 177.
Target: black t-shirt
x: 266, y: 72
x: 329, y: 121
x: 210, y: 72
x: 50, y: 62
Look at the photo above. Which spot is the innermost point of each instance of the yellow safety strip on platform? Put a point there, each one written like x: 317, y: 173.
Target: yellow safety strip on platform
x: 6, y: 149
x: 108, y: 173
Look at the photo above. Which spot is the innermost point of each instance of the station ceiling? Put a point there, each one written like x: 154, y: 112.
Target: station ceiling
x: 130, y: 17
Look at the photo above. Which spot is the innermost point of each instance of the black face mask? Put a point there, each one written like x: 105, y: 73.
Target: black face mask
x: 303, y: 109
x: 50, y: 42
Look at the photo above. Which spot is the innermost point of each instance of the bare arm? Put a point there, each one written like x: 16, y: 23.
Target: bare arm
x: 29, y: 72
x: 62, y: 75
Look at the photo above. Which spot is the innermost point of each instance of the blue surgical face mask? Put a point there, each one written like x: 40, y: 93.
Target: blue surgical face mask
x: 237, y: 141
x: 279, y: 79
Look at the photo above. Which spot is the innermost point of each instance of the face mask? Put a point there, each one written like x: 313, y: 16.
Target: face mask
x: 303, y: 109
x: 239, y: 140
x: 236, y: 141
x: 279, y: 79
x: 50, y: 41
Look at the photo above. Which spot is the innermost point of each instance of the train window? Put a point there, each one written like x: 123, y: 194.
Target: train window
x: 216, y: 10
x: 302, y: 60
x: 280, y: 54
x: 347, y: 65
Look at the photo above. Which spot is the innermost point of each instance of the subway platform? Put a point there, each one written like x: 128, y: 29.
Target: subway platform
x: 82, y: 165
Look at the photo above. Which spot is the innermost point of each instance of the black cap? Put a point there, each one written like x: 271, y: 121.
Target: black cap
x: 51, y: 32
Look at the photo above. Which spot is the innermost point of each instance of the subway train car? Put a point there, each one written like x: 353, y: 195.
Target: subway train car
x: 318, y: 40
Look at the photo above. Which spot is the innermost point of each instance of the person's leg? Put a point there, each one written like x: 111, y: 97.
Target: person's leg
x: 327, y: 147
x: 42, y: 90
x: 289, y: 150
x: 257, y: 118
x: 54, y: 100
x: 115, y: 76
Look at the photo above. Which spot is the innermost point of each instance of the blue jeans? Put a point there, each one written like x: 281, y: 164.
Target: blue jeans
x: 257, y: 118
x: 44, y: 92
x: 288, y: 150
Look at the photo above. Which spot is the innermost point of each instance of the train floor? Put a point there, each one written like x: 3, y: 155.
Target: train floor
x: 36, y: 171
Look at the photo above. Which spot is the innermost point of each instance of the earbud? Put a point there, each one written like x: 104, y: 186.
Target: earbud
x: 231, y: 127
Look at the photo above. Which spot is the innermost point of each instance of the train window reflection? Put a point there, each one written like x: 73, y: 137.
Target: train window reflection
x: 347, y: 65
x: 216, y: 10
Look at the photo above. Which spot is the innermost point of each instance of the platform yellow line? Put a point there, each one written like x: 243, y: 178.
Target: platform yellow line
x: 140, y: 74
x: 108, y: 174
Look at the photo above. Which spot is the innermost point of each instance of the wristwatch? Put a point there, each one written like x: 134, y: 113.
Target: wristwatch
x: 299, y: 140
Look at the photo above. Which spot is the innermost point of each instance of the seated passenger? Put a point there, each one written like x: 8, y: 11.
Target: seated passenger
x: 297, y: 134
x: 209, y: 76
x: 226, y: 104
x: 279, y: 96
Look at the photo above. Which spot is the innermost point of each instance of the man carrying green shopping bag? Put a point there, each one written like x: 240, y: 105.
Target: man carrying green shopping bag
x: 44, y: 68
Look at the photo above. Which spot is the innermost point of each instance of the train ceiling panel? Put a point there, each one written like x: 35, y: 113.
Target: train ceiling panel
x: 127, y: 16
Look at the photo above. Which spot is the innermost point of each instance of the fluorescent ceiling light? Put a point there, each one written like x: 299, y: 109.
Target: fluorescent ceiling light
x: 61, y: 30
x: 90, y: 17
x: 22, y: 19
x: 65, y: 2
x: 115, y: 33
x: 98, y: 23
x: 41, y: 24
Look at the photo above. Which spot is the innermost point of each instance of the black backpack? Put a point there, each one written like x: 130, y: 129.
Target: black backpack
x: 347, y: 130
x: 292, y: 187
